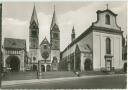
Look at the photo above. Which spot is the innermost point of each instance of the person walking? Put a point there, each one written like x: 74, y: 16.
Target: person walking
x: 77, y: 73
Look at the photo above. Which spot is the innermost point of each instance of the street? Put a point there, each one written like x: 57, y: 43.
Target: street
x: 86, y: 82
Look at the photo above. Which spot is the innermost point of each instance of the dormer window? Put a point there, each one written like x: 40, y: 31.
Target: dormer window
x: 107, y: 19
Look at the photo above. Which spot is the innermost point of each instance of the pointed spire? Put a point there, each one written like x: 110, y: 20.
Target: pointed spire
x: 53, y: 19
x: 73, y: 30
x: 73, y: 34
x: 34, y: 16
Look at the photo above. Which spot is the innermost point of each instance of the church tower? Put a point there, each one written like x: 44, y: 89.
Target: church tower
x: 55, y: 42
x: 34, y: 38
x: 73, y: 34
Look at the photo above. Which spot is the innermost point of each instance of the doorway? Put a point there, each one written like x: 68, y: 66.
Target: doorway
x: 34, y: 68
x: 48, y: 68
x: 108, y: 65
x: 13, y: 63
x: 43, y: 68
x: 87, y: 65
x: 125, y: 67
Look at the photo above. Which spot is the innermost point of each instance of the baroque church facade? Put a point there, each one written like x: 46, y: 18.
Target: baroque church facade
x: 98, y: 48
x: 47, y: 53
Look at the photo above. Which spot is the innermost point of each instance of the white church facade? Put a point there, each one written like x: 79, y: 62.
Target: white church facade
x: 97, y: 48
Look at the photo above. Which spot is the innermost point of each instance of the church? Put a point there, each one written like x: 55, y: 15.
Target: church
x: 47, y: 53
x: 98, y: 48
x: 16, y: 57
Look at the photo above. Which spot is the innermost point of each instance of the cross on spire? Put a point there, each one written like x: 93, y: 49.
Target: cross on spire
x: 107, y: 5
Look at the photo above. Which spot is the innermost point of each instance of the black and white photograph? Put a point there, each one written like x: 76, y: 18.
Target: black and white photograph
x: 63, y: 44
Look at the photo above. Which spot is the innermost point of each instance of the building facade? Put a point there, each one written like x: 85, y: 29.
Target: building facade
x: 14, y: 53
x: 98, y: 48
x: 47, y: 52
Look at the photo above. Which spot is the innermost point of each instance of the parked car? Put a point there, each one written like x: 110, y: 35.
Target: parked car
x: 28, y: 69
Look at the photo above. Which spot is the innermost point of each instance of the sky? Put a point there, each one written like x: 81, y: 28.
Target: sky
x: 17, y: 15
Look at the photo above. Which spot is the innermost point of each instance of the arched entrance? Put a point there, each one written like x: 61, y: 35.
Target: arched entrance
x: 34, y: 68
x: 13, y: 63
x: 87, y: 65
x: 54, y: 64
x: 43, y: 68
x: 48, y: 68
x: 125, y: 67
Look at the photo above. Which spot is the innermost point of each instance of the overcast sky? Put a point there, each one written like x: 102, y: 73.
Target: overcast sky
x: 16, y: 18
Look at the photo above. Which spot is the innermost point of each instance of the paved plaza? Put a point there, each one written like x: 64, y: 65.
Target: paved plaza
x: 117, y: 81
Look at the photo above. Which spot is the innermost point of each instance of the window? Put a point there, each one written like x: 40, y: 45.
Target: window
x: 34, y: 26
x: 54, y: 60
x: 108, y: 46
x: 34, y: 33
x: 107, y: 19
x: 55, y: 35
x: 34, y: 46
x: 45, y: 46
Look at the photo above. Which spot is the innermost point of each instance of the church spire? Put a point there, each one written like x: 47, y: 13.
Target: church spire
x: 73, y: 34
x: 53, y: 19
x: 73, y: 30
x: 34, y: 16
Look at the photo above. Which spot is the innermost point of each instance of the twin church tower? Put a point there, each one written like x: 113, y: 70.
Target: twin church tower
x: 47, y: 52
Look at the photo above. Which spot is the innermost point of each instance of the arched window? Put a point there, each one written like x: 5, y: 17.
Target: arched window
x: 107, y: 19
x: 108, y: 46
x: 54, y: 60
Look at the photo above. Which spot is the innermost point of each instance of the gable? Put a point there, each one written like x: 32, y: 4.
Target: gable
x: 45, y: 41
x: 55, y: 28
x: 102, y: 19
x: 10, y: 43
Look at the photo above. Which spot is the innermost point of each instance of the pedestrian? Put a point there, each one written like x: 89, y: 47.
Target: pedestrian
x: 37, y: 74
x: 77, y: 73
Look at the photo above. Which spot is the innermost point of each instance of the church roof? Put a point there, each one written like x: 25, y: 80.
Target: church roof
x: 83, y: 48
x: 12, y: 43
x: 34, y: 16
x: 45, y: 41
